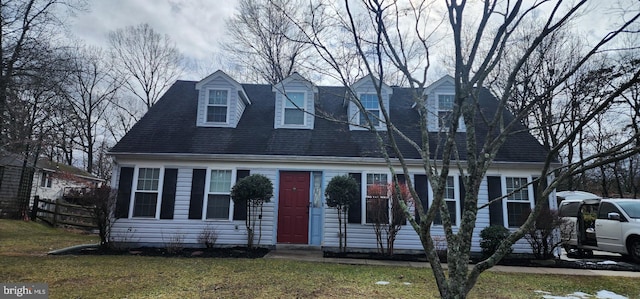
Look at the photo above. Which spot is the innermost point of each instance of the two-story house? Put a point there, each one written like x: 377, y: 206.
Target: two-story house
x: 175, y: 168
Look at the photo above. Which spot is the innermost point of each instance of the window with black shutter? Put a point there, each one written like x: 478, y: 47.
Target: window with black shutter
x: 355, y: 209
x: 240, y: 207
x: 197, y: 193
x: 124, y: 192
x: 168, y: 193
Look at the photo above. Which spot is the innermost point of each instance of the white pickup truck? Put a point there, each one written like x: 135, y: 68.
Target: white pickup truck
x: 603, y: 224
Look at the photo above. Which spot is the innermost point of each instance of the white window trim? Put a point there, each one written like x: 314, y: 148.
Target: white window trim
x: 363, y: 205
x: 505, y: 212
x: 207, y: 105
x: 134, y: 189
x: 380, y: 117
x: 456, y: 194
x: 283, y: 109
x: 438, y: 110
x: 205, y: 202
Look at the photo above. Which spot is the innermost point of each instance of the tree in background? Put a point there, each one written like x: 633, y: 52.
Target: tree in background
x: 149, y: 61
x: 91, y: 87
x: 264, y: 40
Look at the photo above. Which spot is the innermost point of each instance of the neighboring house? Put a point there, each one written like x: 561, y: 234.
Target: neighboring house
x: 175, y: 167
x: 53, y: 180
x: 11, y: 172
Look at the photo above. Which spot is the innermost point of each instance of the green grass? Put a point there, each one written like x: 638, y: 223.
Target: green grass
x: 22, y: 259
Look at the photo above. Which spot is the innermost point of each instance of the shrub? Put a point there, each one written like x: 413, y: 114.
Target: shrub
x: 208, y: 237
x: 545, y: 235
x: 492, y: 236
x: 340, y: 193
x: 255, y: 190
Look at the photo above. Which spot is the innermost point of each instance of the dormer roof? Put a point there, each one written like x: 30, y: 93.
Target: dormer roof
x: 281, y: 86
x: 371, y: 79
x: 433, y: 86
x: 220, y: 74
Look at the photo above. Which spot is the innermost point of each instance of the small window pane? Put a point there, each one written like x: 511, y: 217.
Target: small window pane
x: 294, y: 100
x: 445, y: 102
x: 517, y: 213
x: 369, y: 101
x: 218, y: 206
x: 145, y: 204
x: 451, y: 205
x: 220, y: 181
x: 217, y: 97
x: 449, y: 189
x: 519, y: 184
x: 293, y: 117
x: 148, y: 179
x: 217, y: 114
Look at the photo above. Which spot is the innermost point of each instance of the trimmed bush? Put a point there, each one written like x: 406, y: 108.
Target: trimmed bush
x: 492, y: 236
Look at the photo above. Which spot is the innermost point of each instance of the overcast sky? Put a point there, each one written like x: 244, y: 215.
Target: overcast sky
x: 195, y: 25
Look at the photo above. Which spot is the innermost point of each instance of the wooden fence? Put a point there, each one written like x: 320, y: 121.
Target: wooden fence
x: 57, y: 213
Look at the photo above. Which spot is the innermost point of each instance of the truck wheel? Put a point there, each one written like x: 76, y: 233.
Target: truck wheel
x: 634, y: 249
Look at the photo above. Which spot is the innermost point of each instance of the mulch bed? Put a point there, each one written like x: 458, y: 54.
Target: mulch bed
x: 226, y: 252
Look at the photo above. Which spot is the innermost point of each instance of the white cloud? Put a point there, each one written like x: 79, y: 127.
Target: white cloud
x: 195, y: 26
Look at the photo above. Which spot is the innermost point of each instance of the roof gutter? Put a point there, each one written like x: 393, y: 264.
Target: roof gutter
x: 294, y: 159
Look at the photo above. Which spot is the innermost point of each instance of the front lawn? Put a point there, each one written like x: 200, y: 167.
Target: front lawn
x: 160, y: 277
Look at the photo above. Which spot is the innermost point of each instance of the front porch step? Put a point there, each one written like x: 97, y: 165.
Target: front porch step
x: 303, y: 247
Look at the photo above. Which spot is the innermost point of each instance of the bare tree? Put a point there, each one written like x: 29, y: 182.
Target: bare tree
x: 26, y: 28
x: 263, y: 40
x: 480, y: 36
x: 150, y: 61
x: 92, y: 86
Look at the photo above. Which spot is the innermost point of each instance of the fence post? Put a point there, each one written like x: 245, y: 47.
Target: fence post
x: 34, y: 209
x: 55, y: 213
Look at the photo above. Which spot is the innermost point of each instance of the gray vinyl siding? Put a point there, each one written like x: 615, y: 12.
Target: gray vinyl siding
x: 294, y: 86
x: 159, y: 232
x: 183, y: 193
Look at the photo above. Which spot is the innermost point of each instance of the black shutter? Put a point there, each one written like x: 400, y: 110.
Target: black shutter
x: 494, y: 184
x: 168, y: 193
x: 422, y: 188
x: 240, y: 207
x: 463, y: 192
x: 401, y: 178
x: 197, y: 193
x: 355, y: 209
x: 124, y: 192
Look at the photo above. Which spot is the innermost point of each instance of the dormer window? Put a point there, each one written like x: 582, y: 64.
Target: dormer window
x: 218, y: 105
x: 372, y: 106
x: 221, y: 101
x: 445, y: 109
x: 295, y: 103
x: 366, y: 98
x: 293, y: 108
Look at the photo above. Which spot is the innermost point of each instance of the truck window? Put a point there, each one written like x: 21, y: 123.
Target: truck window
x: 569, y: 209
x: 605, y: 209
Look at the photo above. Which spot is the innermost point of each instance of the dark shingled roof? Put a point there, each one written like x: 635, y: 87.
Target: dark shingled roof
x: 170, y: 127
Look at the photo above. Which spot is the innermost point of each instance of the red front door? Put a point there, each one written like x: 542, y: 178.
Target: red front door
x: 293, y: 208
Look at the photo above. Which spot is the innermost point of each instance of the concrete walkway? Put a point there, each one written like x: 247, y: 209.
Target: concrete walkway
x: 315, y: 255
